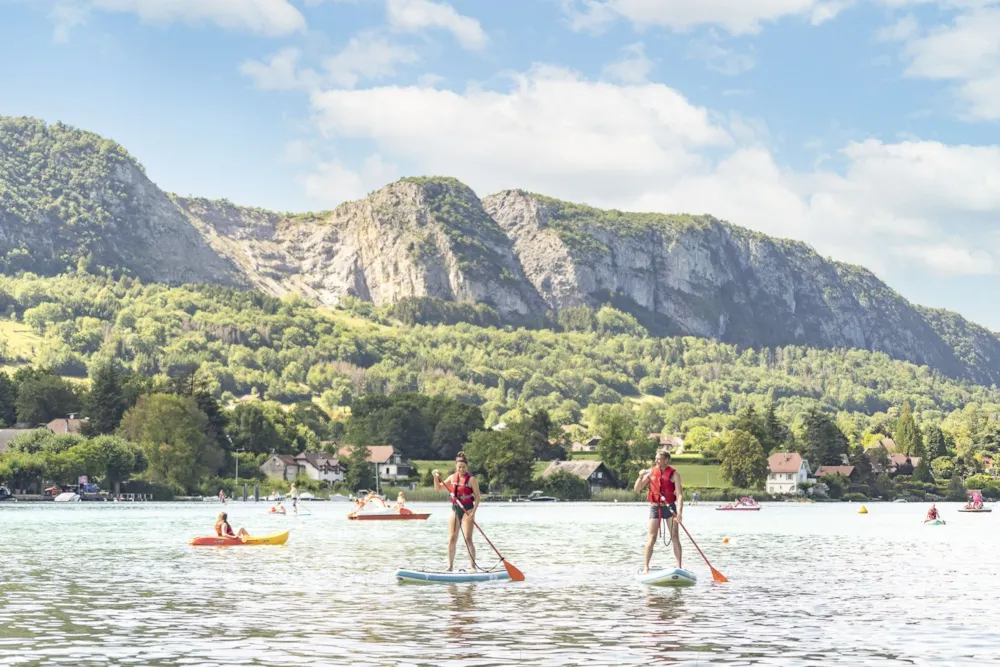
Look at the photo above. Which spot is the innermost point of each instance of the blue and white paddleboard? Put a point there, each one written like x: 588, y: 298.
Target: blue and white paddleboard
x: 450, y: 577
x: 658, y: 576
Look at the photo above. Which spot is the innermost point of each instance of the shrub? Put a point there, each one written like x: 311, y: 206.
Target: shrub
x: 854, y: 497
x: 564, y: 485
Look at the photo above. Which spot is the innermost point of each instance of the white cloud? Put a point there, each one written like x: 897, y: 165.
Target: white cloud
x: 66, y: 16
x: 333, y: 183
x: 735, y: 16
x: 268, y: 17
x: 646, y: 147
x: 720, y: 59
x: 418, y: 15
x: 368, y: 56
x: 280, y: 72
x: 634, y: 67
x: 297, y: 152
x: 902, y: 30
x: 966, y: 52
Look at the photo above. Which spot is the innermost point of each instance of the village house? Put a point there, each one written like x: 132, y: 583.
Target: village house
x: 391, y: 465
x: 673, y: 444
x: 594, y: 473
x: 321, y: 467
x: 850, y: 472
x: 587, y: 446
x: 786, y: 470
x: 66, y: 425
x: 281, y: 467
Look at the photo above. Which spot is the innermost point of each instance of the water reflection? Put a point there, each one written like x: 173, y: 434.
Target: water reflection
x: 812, y: 585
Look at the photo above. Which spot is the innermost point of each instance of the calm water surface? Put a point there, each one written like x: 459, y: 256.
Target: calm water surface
x: 116, y: 584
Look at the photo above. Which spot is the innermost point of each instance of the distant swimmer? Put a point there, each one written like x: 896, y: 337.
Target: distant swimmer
x: 666, y: 503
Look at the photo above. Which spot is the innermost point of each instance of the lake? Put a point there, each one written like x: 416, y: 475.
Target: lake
x: 117, y: 583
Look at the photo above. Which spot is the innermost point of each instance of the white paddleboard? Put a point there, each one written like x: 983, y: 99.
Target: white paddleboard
x: 658, y: 576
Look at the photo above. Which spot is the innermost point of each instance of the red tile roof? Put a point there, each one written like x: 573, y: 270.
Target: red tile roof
x: 376, y: 453
x: 835, y: 470
x: 784, y: 462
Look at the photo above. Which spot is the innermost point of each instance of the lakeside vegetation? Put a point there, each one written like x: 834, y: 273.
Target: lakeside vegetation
x: 364, y: 375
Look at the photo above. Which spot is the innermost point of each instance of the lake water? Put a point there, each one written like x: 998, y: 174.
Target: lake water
x: 103, y: 583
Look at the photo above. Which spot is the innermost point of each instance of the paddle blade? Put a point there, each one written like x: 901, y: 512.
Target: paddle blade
x: 515, y: 574
x: 718, y: 576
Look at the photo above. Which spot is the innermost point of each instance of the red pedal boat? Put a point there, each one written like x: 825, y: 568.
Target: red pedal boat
x: 744, y: 505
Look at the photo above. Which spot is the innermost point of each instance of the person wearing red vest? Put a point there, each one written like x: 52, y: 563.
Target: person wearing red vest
x: 464, y: 489
x: 665, y: 502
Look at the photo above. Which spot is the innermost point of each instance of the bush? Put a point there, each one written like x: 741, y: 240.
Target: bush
x: 979, y: 481
x: 564, y: 485
x: 854, y: 497
x: 159, y: 492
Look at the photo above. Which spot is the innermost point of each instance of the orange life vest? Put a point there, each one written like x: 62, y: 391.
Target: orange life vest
x: 462, y: 491
x: 661, y: 486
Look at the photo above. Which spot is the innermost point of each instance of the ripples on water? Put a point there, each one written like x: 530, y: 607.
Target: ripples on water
x: 116, y: 584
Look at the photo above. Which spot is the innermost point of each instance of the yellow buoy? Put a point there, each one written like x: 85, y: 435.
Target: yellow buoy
x: 863, y: 510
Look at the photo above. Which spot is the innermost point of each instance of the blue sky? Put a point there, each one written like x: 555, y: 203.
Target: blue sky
x: 867, y: 128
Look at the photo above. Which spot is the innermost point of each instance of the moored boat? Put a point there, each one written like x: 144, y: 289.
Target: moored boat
x: 743, y: 505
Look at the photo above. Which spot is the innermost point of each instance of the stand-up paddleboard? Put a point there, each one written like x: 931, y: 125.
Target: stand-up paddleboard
x: 659, y: 576
x: 450, y: 577
x: 935, y: 522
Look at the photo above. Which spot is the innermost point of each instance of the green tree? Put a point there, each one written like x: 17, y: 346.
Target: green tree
x: 824, y: 442
x: 836, y: 485
x: 118, y: 459
x: 743, y: 461
x: 749, y: 421
x: 616, y: 428
x: 956, y: 489
x: 106, y: 401
x: 922, y: 472
x: 360, y: 472
x: 251, y: 430
x: 564, y: 485
x: 935, y: 445
x: 217, y: 422
x: 501, y: 459
x: 172, y: 432
x: 42, y: 398
x: 8, y: 401
x: 907, y: 434
x: 777, y: 432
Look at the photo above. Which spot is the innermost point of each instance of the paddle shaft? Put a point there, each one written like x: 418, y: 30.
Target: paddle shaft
x: 718, y: 576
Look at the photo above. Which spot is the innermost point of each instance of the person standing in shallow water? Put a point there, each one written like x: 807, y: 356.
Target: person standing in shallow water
x: 464, y: 489
x: 665, y: 503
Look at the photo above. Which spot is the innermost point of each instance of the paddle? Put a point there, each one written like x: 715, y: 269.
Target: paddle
x: 716, y: 575
x: 515, y: 574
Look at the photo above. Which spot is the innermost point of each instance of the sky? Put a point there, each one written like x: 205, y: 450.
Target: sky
x: 869, y: 129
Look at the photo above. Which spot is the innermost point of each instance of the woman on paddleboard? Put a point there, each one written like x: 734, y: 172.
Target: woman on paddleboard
x: 666, y: 504
x: 464, y: 489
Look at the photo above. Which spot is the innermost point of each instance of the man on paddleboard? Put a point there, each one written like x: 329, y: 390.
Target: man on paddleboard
x: 666, y: 504
x: 464, y: 489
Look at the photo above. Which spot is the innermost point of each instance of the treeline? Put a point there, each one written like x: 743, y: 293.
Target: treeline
x: 287, y: 351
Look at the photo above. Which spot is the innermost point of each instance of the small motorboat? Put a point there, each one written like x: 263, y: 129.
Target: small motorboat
x: 381, y: 511
x: 743, y: 505
x: 537, y: 497
x: 67, y: 497
x: 5, y: 493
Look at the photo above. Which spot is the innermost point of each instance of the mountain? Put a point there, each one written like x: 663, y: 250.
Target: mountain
x: 70, y: 199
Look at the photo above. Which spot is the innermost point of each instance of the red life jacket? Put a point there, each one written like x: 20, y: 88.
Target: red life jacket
x: 661, y: 486
x: 228, y: 531
x: 462, y: 491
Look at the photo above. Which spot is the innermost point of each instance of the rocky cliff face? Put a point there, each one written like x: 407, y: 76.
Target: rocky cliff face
x: 68, y: 197
x: 414, y: 238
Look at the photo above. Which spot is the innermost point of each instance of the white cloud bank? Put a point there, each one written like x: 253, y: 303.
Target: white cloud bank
x: 644, y: 146
x: 268, y: 17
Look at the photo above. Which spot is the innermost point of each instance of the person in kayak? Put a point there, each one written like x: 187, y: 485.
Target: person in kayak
x: 223, y: 529
x: 464, y: 489
x: 277, y: 508
x: 666, y: 503
x: 932, y: 513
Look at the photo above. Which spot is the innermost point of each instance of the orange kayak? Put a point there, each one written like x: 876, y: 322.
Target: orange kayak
x: 248, y: 541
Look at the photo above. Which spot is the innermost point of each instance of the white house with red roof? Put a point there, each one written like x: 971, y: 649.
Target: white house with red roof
x: 786, y: 470
x: 390, y: 463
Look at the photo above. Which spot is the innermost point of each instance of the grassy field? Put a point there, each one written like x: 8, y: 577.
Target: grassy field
x: 20, y: 340
x: 691, y: 474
